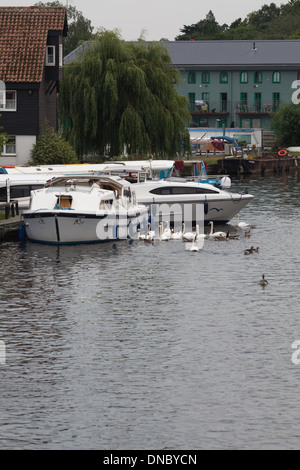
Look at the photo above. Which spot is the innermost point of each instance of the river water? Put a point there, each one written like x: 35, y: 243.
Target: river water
x: 129, y: 345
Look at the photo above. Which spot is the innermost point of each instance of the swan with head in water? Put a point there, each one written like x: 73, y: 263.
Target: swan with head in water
x: 213, y: 234
x: 194, y: 247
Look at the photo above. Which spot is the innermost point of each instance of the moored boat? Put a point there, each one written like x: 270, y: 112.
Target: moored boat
x: 175, y: 197
x: 82, y: 210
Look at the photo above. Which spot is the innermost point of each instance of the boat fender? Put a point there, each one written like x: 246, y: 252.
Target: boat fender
x: 22, y: 232
x: 282, y: 153
x: 205, y: 206
x: 225, y: 182
x: 115, y: 234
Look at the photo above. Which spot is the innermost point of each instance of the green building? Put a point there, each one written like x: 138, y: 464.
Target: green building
x: 236, y: 84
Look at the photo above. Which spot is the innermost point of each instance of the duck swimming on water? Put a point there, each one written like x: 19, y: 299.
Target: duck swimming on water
x: 263, y: 282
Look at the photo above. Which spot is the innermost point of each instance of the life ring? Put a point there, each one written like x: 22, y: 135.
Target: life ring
x: 282, y: 153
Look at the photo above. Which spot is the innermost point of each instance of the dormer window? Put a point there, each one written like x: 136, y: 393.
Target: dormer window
x: 50, y: 55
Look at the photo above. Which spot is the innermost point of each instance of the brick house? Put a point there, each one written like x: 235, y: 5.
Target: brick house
x: 31, y: 68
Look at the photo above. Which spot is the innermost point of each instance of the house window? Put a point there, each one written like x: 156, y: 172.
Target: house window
x: 205, y: 77
x: 8, y: 100
x: 10, y: 147
x: 276, y: 77
x: 192, y: 77
x: 50, y: 55
x: 244, y: 77
x: 192, y: 99
x: 223, y: 77
x: 276, y: 101
x: 257, y: 77
x: 60, y: 55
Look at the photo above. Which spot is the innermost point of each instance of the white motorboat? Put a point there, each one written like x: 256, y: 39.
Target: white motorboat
x: 181, y: 200
x: 23, y: 179
x: 83, y: 210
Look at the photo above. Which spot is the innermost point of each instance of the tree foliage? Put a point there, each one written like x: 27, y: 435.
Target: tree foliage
x: 285, y: 123
x: 120, y: 95
x: 51, y: 149
x: 269, y: 22
x: 80, y: 29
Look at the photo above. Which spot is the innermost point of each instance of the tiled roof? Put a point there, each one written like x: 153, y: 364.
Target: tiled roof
x: 23, y: 39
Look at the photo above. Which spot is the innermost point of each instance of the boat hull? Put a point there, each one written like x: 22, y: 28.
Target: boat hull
x: 66, y: 228
x: 218, y: 210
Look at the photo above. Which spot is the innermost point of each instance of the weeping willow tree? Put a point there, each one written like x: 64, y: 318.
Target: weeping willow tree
x: 122, y: 95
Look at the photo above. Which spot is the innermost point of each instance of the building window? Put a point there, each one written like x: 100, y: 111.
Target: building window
x: 221, y: 123
x: 192, y: 102
x: 276, y: 77
x: 244, y: 77
x: 50, y: 55
x: 10, y: 147
x: 223, y: 77
x: 224, y: 102
x: 256, y: 123
x: 246, y: 124
x: 276, y: 101
x: 60, y: 55
x: 257, y: 77
x: 244, y: 102
x: 205, y: 77
x: 192, y: 77
x: 8, y: 100
x: 257, y: 102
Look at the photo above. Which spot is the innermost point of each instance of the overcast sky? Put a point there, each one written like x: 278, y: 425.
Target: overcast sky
x: 158, y: 18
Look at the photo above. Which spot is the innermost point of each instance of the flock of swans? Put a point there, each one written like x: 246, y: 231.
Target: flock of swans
x: 193, y: 237
x: 165, y: 233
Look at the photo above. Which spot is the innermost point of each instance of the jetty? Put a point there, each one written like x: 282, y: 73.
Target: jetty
x: 9, y: 227
x: 266, y: 164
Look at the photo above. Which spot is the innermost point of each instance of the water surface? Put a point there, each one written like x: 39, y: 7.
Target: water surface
x: 128, y: 345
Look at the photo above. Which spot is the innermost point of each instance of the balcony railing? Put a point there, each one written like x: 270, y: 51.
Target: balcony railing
x: 257, y: 108
x: 209, y: 107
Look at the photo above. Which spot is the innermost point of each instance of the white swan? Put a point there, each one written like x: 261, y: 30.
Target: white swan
x: 213, y: 234
x: 149, y: 236
x: 194, y: 246
x: 176, y: 235
x: 166, y: 234
x: 191, y: 236
x: 241, y: 224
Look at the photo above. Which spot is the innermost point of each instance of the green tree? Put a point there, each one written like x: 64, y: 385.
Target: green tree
x: 262, y: 17
x: 204, y: 29
x: 52, y: 149
x: 285, y: 123
x: 80, y: 29
x: 122, y: 95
